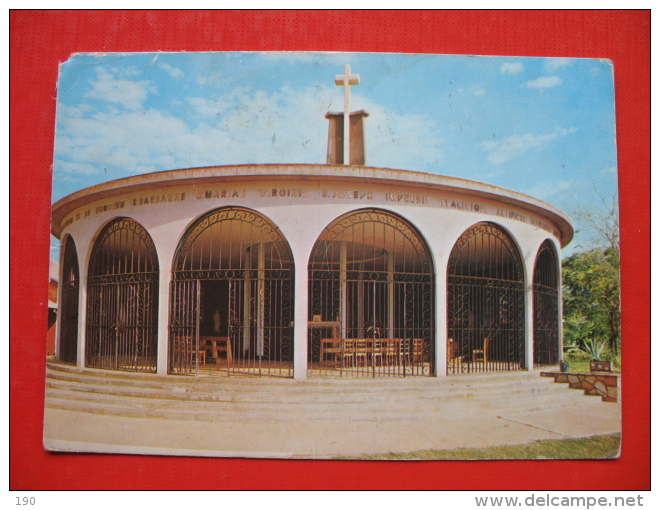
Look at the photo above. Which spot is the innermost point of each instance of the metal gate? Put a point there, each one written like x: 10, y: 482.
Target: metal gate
x: 68, y: 309
x: 122, y: 299
x: 546, y: 306
x: 485, y: 303
x: 232, y: 297
x: 370, y: 299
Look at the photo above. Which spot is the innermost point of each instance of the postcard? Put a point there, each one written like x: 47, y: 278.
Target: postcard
x: 334, y: 255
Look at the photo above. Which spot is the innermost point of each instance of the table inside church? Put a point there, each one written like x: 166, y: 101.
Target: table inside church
x: 215, y: 345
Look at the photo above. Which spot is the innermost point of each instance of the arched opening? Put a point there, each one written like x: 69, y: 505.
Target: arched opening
x: 371, y: 292
x: 232, y: 297
x: 122, y: 299
x: 546, y: 306
x: 68, y: 309
x: 485, y: 302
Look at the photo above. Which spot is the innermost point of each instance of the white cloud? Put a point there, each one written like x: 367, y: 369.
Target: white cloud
x: 547, y: 189
x: 124, y: 142
x: 513, y: 146
x: 479, y: 92
x: 406, y: 141
x: 208, y: 107
x: 552, y: 64
x: 242, y: 126
x: 516, y: 145
x: 511, y: 68
x: 174, y: 72
x: 126, y: 93
x: 544, y: 82
x: 608, y: 171
x: 76, y: 168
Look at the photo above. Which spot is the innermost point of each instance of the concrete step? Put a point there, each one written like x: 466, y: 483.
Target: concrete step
x: 393, y: 396
x: 384, y: 408
x: 212, y: 399
x: 232, y: 389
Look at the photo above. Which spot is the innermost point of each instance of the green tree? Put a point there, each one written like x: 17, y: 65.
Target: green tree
x: 591, y: 299
x: 592, y: 309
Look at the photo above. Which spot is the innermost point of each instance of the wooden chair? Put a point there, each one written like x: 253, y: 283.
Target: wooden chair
x: 183, y: 348
x: 392, y: 351
x: 332, y: 351
x: 362, y: 351
x: 418, y: 350
x: 481, y: 354
x: 452, y: 352
x: 405, y: 354
x: 378, y: 352
x: 454, y: 358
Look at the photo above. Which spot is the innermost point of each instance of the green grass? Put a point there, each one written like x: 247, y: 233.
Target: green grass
x: 595, y: 447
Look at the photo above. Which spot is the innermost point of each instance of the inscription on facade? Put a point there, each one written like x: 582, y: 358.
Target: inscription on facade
x: 220, y: 193
x: 462, y: 205
x: 284, y: 192
x: 407, y: 198
x: 159, y: 199
x: 352, y: 194
x: 326, y: 193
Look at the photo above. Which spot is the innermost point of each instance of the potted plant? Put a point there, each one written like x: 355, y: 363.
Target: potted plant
x: 595, y: 350
x: 563, y: 366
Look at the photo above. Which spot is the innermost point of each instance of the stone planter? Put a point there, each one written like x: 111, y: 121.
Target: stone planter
x: 600, y: 366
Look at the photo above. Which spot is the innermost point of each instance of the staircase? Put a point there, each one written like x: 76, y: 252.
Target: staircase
x: 214, y: 398
x: 605, y: 386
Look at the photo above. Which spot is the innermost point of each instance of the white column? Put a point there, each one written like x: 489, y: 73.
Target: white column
x: 441, y: 317
x: 300, y: 320
x: 529, y: 322
x: 164, y: 279
x: 560, y: 309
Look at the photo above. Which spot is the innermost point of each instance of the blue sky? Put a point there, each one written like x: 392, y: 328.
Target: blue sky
x: 539, y: 126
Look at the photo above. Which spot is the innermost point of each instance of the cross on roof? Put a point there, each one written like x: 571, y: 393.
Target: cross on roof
x: 346, y: 80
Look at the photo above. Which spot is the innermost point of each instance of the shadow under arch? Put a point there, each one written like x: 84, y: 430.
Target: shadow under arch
x: 546, y: 305
x: 371, y: 298
x: 231, y: 297
x: 485, y: 302
x: 69, y: 302
x: 122, y: 299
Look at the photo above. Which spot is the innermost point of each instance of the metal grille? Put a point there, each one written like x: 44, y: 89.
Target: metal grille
x: 485, y: 303
x: 68, y: 309
x: 546, y: 306
x: 232, y: 297
x: 122, y: 300
x: 370, y: 299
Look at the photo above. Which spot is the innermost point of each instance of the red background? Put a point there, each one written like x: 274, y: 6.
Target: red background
x: 41, y: 39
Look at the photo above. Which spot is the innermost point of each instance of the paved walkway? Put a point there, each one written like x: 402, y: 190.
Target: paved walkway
x: 448, y: 425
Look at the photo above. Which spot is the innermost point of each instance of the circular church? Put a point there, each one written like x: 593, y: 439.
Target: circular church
x: 302, y: 271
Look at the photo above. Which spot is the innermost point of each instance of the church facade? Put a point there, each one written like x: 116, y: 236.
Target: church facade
x: 308, y: 270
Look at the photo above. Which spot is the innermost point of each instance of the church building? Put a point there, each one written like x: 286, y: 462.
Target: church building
x: 308, y: 270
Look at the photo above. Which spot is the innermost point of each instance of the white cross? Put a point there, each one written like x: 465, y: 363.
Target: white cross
x: 346, y: 80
